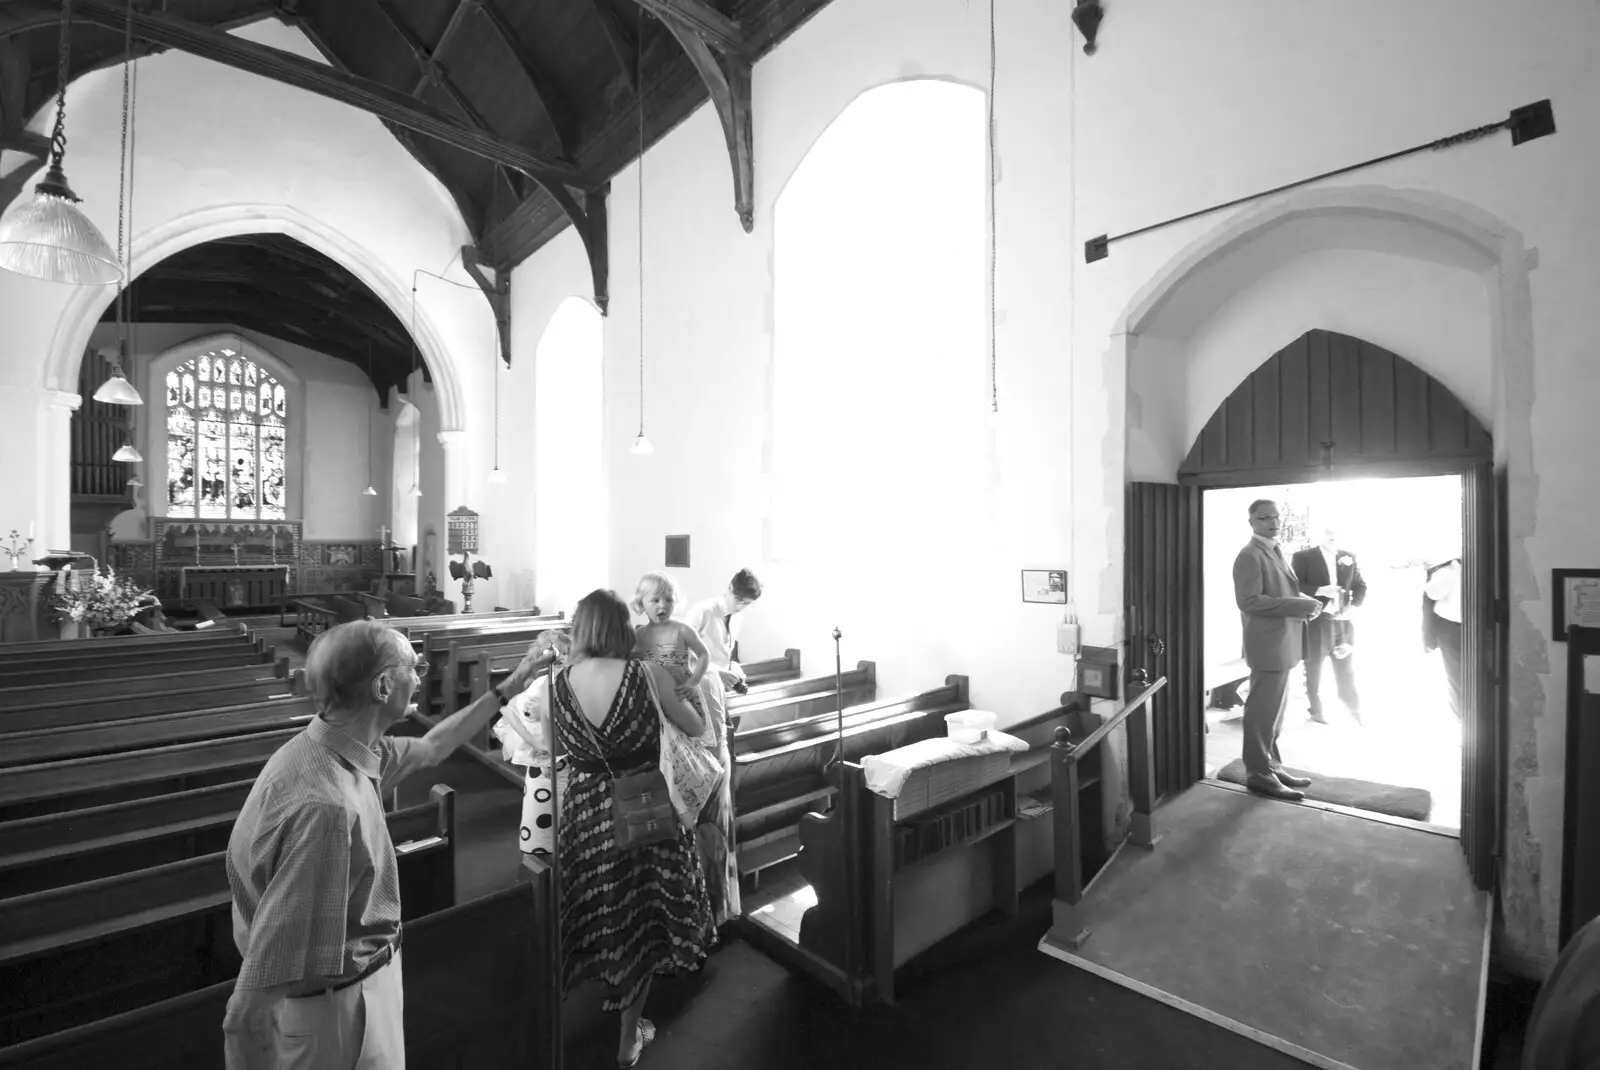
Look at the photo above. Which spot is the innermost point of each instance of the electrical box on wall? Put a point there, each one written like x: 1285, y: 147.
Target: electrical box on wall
x: 677, y: 551
x: 1097, y: 671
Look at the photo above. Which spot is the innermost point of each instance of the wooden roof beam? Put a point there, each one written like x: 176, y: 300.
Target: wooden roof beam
x: 431, y: 72
x: 623, y: 45
x: 705, y: 21
x: 363, y: 93
x: 557, y: 109
x: 727, y: 79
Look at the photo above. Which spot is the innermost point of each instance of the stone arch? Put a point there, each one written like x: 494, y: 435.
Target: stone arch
x: 86, y: 305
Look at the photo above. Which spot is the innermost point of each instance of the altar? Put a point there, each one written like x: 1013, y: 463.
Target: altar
x: 234, y: 586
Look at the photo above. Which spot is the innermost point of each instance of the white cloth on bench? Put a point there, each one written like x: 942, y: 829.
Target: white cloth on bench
x: 886, y: 773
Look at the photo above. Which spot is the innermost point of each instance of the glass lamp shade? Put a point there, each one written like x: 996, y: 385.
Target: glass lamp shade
x: 641, y: 446
x: 135, y: 482
x: 496, y: 476
x: 49, y: 238
x: 118, y: 391
x: 127, y: 453
x: 416, y: 491
x: 370, y: 492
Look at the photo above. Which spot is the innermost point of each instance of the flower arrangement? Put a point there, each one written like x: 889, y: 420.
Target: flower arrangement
x: 99, y: 601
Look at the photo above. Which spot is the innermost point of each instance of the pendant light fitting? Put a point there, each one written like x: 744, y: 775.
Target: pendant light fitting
x: 50, y: 237
x: 117, y: 390
x: 371, y: 491
x: 495, y: 475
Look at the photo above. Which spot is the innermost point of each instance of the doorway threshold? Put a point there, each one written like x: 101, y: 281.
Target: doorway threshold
x: 1349, y: 811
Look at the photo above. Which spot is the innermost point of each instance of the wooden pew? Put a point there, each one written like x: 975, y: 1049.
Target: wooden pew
x: 316, y: 613
x: 109, y: 737
x: 779, y: 774
x: 773, y: 669
x: 414, y: 627
x: 73, y: 713
x: 481, y: 991
x: 781, y: 701
x: 48, y: 671
x: 12, y: 698
x: 452, y: 654
x: 98, y: 841
x: 50, y: 787
x: 72, y: 648
x: 74, y: 953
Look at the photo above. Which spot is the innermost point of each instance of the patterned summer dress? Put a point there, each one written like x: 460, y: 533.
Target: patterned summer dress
x: 625, y: 915
x: 715, y: 834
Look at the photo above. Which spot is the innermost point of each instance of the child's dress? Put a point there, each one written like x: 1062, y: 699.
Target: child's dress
x: 714, y: 834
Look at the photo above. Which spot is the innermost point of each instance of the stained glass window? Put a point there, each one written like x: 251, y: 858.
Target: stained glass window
x: 227, y: 428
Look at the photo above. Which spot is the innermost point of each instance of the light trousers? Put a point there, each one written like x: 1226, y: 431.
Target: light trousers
x: 361, y: 1027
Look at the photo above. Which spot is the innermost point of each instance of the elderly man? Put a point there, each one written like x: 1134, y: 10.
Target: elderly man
x: 316, y: 890
x: 1274, y: 612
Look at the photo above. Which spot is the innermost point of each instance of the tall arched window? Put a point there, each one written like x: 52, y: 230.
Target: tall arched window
x: 406, y: 475
x: 227, y: 439
x: 570, y: 547
x: 880, y: 331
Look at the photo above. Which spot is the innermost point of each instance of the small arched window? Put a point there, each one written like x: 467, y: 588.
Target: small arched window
x: 227, y: 439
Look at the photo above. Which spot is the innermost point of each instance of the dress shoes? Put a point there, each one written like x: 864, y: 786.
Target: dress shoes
x: 1269, y: 786
x: 1289, y: 780
x: 1317, y: 718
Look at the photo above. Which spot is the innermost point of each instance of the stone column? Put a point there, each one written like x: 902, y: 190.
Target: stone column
x: 53, y: 493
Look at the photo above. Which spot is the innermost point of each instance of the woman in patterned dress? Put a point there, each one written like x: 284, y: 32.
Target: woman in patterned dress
x: 626, y: 915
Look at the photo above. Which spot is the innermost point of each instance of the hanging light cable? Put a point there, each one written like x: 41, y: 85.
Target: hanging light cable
x: 416, y: 453
x: 994, y: 232
x: 641, y: 446
x: 117, y: 390
x: 49, y: 237
x: 371, y: 491
x: 495, y: 475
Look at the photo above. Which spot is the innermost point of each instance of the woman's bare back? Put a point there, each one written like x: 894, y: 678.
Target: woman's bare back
x: 594, y: 683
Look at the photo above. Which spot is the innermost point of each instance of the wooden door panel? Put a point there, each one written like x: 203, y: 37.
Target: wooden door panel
x: 1480, y: 742
x: 1163, y: 592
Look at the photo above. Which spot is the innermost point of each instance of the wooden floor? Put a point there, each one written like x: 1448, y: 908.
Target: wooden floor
x: 1343, y: 941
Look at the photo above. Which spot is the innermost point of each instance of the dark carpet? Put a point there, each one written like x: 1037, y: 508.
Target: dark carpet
x: 1391, y: 799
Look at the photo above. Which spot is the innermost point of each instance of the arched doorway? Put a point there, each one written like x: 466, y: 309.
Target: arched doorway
x: 1326, y: 406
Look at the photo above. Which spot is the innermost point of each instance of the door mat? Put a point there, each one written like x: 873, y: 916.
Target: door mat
x: 1413, y: 803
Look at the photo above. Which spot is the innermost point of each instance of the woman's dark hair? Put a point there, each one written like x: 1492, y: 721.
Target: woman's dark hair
x: 601, y: 627
x: 745, y: 585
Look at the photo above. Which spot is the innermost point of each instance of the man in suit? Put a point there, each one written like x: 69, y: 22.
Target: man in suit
x: 1332, y: 577
x: 1274, y: 612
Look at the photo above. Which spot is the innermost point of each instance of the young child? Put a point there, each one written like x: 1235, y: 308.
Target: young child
x: 670, y: 643
x: 667, y: 642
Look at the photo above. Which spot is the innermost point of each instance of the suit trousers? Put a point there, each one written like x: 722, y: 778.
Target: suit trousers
x: 356, y: 1028
x: 1263, y: 719
x: 1319, y: 651
x: 1448, y: 633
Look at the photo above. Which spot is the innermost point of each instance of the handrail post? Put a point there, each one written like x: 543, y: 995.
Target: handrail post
x: 1141, y: 771
x: 1064, y: 800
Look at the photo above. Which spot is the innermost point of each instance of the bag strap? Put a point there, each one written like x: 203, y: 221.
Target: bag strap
x: 578, y: 715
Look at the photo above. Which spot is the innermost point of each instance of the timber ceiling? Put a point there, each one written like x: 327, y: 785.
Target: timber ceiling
x: 523, y: 109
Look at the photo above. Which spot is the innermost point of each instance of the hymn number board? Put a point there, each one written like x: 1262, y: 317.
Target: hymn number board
x: 463, y: 531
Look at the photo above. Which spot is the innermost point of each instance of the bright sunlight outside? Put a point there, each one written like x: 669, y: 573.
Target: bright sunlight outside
x: 1396, y: 529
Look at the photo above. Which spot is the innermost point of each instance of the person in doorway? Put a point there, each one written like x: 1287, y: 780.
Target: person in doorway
x: 716, y: 621
x: 1441, y: 623
x: 1333, y: 577
x: 1564, y: 1029
x: 315, y: 881
x: 1274, y: 612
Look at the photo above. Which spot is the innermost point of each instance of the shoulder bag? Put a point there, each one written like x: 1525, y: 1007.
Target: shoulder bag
x: 641, y: 807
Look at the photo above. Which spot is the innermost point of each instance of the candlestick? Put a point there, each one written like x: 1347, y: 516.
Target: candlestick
x: 17, y: 545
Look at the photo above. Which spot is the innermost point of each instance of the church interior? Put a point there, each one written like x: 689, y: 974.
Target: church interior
x: 978, y: 331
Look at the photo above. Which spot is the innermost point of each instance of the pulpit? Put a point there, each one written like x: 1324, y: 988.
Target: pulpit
x: 24, y: 606
x: 235, y: 586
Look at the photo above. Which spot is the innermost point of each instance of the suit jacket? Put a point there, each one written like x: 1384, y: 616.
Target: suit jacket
x: 1324, y: 633
x: 1272, y: 607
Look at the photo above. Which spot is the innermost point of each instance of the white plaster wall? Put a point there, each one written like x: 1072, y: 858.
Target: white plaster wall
x: 1183, y: 107
x: 221, y: 151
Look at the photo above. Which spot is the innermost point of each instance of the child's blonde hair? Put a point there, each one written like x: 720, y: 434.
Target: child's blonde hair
x: 654, y: 583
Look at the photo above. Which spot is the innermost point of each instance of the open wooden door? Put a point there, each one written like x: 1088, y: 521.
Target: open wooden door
x: 1482, y: 643
x: 1162, y: 584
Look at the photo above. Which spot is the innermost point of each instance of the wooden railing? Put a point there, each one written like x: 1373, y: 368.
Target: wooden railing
x: 1064, y: 760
